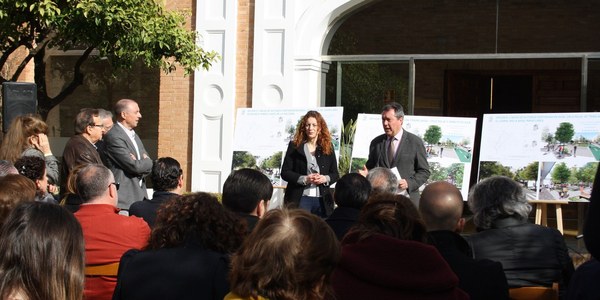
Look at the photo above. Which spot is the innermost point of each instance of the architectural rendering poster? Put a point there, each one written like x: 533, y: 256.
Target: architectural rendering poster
x: 448, y: 142
x: 553, y: 155
x: 262, y: 136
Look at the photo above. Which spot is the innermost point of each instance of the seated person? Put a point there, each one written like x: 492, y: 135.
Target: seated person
x: 107, y: 234
x: 247, y: 192
x: 41, y: 254
x: 14, y: 189
x: 531, y: 255
x: 6, y: 167
x: 187, y: 256
x: 71, y: 200
x: 289, y: 255
x: 441, y: 207
x: 34, y: 168
x: 167, y: 178
x: 385, y: 256
x: 383, y: 180
x: 351, y: 194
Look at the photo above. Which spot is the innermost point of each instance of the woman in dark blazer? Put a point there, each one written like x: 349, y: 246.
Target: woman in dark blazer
x: 310, y: 166
x: 187, y: 255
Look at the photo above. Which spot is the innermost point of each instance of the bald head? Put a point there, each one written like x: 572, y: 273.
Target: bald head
x: 441, y: 207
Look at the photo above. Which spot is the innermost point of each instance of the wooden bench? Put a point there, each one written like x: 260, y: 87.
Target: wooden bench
x: 534, y: 293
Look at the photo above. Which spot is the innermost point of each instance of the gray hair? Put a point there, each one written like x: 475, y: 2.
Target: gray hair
x: 6, y: 167
x: 104, y: 114
x: 383, y: 180
x: 92, y: 181
x: 397, y: 107
x: 497, y: 197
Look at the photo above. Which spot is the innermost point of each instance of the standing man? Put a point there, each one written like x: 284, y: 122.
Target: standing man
x: 81, y: 149
x: 399, y: 149
x: 107, y: 121
x: 126, y: 154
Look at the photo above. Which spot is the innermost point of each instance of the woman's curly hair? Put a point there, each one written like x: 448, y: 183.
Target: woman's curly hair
x: 197, y: 216
x: 324, y: 138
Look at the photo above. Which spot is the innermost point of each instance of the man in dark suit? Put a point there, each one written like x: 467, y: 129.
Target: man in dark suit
x: 247, y: 192
x: 441, y: 207
x: 167, y: 178
x: 400, y: 149
x: 351, y: 194
x: 127, y: 156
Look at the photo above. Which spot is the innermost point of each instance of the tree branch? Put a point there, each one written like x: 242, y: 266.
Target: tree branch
x: 7, y: 53
x: 77, y: 79
x: 32, y: 53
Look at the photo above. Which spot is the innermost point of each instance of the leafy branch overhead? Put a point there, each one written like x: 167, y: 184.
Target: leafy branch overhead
x: 123, y: 32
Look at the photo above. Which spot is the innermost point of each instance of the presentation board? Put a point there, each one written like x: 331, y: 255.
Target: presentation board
x: 448, y: 142
x: 262, y: 136
x: 555, y: 155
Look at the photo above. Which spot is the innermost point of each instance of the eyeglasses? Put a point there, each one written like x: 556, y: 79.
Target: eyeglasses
x: 116, y: 185
x: 94, y: 125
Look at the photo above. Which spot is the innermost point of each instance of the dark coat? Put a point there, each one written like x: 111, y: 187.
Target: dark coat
x: 531, y: 255
x: 591, y: 230
x: 481, y: 279
x: 186, y: 272
x: 78, y: 151
x: 342, y: 219
x: 584, y: 284
x: 383, y: 267
x: 410, y: 160
x: 294, y: 166
x: 146, y: 209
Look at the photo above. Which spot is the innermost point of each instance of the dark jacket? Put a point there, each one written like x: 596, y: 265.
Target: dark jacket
x: 294, y: 166
x: 147, y: 208
x: 410, y: 160
x: 591, y: 230
x: 481, y: 279
x: 78, y: 151
x: 382, y: 267
x: 531, y: 255
x: 250, y: 220
x: 584, y: 284
x: 186, y: 272
x: 342, y: 219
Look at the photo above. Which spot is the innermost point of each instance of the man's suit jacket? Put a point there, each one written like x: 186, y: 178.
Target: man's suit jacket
x: 78, y: 151
x: 128, y: 171
x: 410, y: 160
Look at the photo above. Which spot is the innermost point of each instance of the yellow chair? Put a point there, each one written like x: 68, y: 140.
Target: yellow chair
x: 102, y: 270
x: 534, y: 293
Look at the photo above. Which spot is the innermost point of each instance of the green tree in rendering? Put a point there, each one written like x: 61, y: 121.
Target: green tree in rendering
x: 433, y: 134
x: 491, y: 168
x: 121, y: 32
x: 243, y: 159
x: 529, y: 172
x: 565, y: 132
x: 561, y: 173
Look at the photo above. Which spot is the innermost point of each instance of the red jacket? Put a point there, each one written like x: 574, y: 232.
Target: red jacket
x: 107, y: 236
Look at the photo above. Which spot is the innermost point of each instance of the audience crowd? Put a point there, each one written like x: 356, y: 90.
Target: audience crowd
x: 101, y: 237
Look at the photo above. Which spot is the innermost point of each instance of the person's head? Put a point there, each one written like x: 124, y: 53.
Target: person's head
x: 352, y: 190
x: 289, y: 255
x: 14, y: 189
x: 72, y: 180
x: 95, y: 183
x: 128, y: 113
x: 441, y: 207
x: 313, y: 126
x: 89, y: 124
x: 391, y: 215
x: 34, y: 168
x: 41, y: 253
x: 199, y: 217
x: 497, y: 197
x: 22, y: 131
x: 6, y: 167
x: 383, y: 180
x: 392, y: 117
x: 107, y: 120
x: 167, y: 175
x: 247, y: 191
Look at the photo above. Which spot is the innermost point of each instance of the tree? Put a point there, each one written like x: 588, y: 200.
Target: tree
x: 433, y: 134
x: 273, y: 161
x: 243, y: 159
x: 122, y: 32
x: 561, y: 173
x: 565, y: 132
x: 491, y: 168
x: 587, y: 173
x: 456, y: 172
x: 530, y: 172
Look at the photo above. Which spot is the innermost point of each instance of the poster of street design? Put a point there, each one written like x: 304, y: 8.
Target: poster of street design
x: 262, y: 136
x: 448, y: 142
x: 554, y: 155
